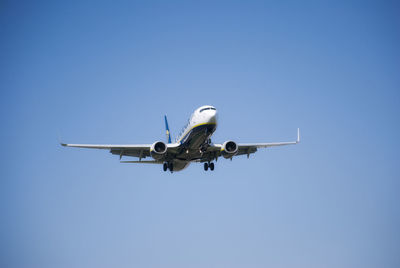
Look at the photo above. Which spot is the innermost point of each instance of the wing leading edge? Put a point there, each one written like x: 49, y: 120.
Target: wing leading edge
x: 272, y: 144
x: 249, y: 148
x: 135, y: 150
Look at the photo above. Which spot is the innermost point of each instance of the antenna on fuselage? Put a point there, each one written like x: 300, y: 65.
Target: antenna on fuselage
x: 167, y: 129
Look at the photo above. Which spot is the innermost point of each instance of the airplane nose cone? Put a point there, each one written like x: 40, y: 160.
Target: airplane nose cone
x: 212, y: 117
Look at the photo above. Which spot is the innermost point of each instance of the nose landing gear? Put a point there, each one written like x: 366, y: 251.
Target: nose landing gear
x: 208, y: 165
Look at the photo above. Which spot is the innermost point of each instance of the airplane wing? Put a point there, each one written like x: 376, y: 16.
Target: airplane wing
x: 136, y: 150
x: 144, y: 162
x: 245, y: 148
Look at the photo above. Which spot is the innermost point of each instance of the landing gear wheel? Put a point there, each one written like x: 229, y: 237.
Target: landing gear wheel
x: 165, y: 166
x: 171, y: 167
x: 205, y: 166
x: 211, y: 166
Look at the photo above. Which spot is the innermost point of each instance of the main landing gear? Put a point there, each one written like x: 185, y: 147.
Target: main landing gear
x: 208, y: 165
x: 169, y: 166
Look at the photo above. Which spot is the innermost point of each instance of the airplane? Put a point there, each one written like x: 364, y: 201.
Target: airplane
x: 193, y: 144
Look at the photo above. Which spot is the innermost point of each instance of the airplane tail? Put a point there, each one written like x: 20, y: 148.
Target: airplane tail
x: 167, y: 129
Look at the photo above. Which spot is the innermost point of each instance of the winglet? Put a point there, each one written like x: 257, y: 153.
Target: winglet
x: 298, y: 135
x: 59, y: 140
x: 167, y: 129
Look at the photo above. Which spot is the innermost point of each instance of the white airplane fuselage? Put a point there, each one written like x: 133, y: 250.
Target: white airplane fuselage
x: 195, y: 136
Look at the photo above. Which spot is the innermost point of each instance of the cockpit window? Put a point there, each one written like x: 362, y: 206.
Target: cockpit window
x: 208, y: 108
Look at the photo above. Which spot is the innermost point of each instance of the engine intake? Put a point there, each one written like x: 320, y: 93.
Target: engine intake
x: 229, y: 149
x: 158, y: 150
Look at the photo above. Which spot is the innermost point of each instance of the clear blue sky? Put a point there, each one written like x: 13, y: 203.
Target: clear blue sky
x: 107, y: 72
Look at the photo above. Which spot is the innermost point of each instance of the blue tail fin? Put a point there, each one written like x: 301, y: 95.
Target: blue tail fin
x: 167, y: 128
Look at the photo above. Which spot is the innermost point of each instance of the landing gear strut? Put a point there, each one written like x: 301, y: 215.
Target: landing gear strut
x: 208, y: 165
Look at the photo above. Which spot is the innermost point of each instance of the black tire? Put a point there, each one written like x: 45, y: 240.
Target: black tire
x: 165, y: 166
x: 205, y: 166
x: 171, y: 167
x: 212, y: 166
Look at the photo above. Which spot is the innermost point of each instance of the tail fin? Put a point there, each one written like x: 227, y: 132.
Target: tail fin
x: 167, y: 128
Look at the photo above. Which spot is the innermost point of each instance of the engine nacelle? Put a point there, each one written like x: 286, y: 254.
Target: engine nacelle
x: 158, y: 150
x: 229, y: 149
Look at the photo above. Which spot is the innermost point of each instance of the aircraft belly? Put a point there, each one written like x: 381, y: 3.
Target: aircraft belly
x: 180, y: 165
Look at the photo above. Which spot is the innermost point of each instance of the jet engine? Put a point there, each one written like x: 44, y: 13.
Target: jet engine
x: 158, y: 150
x: 229, y: 149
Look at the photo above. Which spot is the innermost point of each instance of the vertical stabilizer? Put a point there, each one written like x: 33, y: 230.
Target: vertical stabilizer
x: 167, y: 129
